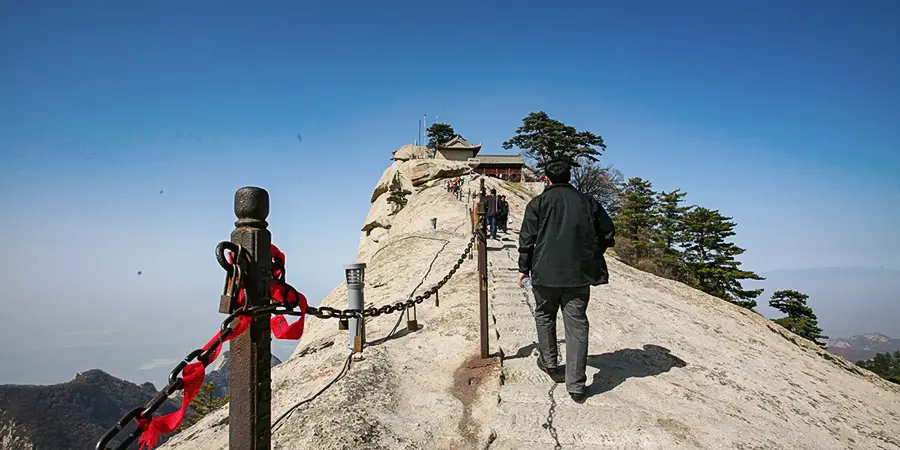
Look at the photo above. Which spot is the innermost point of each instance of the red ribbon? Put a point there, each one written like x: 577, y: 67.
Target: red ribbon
x: 194, y: 373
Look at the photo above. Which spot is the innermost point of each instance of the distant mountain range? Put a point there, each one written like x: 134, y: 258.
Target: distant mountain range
x: 73, y: 415
x: 847, y: 300
x: 863, y: 347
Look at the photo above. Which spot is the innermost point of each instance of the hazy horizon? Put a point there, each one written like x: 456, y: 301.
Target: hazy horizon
x: 848, y: 301
x: 791, y: 129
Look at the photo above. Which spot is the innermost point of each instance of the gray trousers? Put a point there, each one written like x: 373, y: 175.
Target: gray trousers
x: 573, y: 302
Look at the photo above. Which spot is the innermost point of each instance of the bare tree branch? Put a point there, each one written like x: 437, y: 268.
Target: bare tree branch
x: 602, y: 183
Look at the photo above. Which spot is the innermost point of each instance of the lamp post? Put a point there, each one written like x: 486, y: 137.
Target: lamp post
x: 355, y: 273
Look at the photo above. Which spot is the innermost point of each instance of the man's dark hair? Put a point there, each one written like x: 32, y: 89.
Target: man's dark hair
x: 559, y: 172
x: 493, y: 192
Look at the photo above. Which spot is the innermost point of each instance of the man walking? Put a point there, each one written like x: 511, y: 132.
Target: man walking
x: 563, y: 237
x: 492, y: 211
x: 504, y: 213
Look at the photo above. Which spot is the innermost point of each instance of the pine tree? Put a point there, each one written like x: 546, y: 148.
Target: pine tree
x: 543, y: 140
x: 397, y: 195
x: 885, y: 365
x: 711, y: 260
x: 636, y: 214
x: 671, y: 219
x: 800, y: 320
x: 202, y: 404
x: 670, y: 228
x: 636, y: 219
x: 438, y: 133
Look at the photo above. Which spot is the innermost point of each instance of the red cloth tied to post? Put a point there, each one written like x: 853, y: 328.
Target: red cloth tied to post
x: 194, y: 373
x: 281, y: 292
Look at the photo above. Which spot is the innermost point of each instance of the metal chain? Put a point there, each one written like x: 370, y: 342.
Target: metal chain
x: 327, y: 312
x: 176, y: 382
x: 240, y: 263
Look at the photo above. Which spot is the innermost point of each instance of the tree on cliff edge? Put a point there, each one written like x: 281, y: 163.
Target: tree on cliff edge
x: 636, y: 222
x: 800, y: 320
x: 438, y: 133
x: 397, y: 194
x: 670, y: 229
x: 711, y: 259
x: 543, y: 140
x: 886, y: 365
x: 204, y: 403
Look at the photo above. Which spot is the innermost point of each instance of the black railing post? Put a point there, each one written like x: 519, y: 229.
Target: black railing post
x: 482, y: 271
x: 250, y: 410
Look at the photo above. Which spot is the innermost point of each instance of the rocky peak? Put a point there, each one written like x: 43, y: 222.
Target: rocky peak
x: 864, y: 346
x: 877, y: 337
x: 71, y: 415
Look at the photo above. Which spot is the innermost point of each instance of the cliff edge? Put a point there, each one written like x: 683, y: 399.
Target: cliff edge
x: 669, y: 368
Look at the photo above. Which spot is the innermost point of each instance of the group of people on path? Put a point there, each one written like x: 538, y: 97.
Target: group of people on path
x: 454, y: 186
x: 497, y: 213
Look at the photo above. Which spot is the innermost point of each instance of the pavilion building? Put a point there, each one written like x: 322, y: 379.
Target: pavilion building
x: 506, y: 167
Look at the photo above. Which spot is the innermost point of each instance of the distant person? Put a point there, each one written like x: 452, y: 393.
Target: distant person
x: 504, y: 214
x: 491, y: 212
x: 562, y: 240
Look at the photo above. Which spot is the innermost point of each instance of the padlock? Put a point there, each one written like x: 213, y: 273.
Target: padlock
x: 343, y: 324
x: 228, y: 302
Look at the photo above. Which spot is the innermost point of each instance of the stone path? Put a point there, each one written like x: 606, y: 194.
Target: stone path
x: 533, y: 411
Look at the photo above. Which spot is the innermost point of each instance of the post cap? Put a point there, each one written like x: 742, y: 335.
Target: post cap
x: 251, y: 204
x: 354, y: 265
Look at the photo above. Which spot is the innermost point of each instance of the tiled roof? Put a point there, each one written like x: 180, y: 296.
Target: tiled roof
x: 499, y: 159
x: 458, y: 143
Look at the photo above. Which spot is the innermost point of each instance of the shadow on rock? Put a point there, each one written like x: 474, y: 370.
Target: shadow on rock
x: 620, y: 365
x: 529, y: 351
x: 394, y: 335
x: 523, y: 352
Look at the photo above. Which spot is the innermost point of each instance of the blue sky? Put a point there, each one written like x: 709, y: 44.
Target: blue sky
x: 784, y: 115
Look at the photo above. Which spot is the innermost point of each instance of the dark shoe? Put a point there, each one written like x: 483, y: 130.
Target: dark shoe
x: 577, y: 398
x: 555, y: 374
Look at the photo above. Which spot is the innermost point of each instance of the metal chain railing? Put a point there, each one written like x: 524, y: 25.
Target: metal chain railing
x: 327, y: 312
x: 234, y: 283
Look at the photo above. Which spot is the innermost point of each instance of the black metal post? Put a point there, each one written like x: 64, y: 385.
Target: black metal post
x: 482, y: 272
x: 473, y: 211
x: 250, y: 410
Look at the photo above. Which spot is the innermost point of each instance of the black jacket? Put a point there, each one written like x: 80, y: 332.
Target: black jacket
x: 503, y: 207
x: 563, y: 238
x: 490, y: 205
